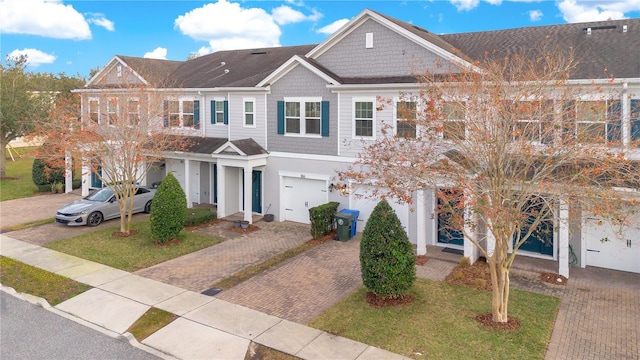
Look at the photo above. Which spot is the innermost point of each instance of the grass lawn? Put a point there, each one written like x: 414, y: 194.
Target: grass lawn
x: 18, y: 183
x: 31, y: 280
x: 440, y: 323
x: 131, y: 253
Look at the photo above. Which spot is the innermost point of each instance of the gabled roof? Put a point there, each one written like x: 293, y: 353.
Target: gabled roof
x: 235, y: 68
x: 212, y: 145
x: 155, y: 71
x: 309, y: 64
x: 607, y: 52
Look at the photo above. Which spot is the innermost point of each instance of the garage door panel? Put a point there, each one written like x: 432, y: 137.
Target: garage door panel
x: 610, y: 246
x: 301, y: 195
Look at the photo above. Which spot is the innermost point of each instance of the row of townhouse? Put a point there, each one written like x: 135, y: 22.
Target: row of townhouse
x: 271, y: 127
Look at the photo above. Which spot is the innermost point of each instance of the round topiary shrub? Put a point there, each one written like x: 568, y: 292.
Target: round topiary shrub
x: 386, y: 255
x: 169, y: 210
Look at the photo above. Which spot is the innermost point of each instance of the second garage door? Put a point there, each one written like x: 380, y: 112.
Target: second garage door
x: 610, y: 247
x: 300, y: 195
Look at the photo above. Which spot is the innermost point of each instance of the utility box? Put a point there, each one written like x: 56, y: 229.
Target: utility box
x: 354, y: 223
x: 344, y: 222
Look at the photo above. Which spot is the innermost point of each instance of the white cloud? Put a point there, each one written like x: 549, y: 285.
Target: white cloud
x: 229, y: 26
x: 462, y: 5
x: 589, y: 10
x: 331, y: 28
x: 100, y: 20
x: 535, y: 15
x: 44, y: 18
x: 286, y: 15
x: 35, y: 57
x: 157, y: 53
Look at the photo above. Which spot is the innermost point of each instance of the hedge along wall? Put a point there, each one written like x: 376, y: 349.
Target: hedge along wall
x: 322, y: 218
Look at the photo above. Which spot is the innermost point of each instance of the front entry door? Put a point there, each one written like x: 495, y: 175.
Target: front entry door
x: 256, y: 192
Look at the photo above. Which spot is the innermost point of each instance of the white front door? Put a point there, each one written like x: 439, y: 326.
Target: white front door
x: 300, y: 195
x: 612, y: 247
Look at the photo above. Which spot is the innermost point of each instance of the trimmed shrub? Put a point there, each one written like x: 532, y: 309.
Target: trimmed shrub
x: 169, y: 210
x: 386, y: 255
x: 322, y: 218
x: 199, y: 216
x: 44, y: 176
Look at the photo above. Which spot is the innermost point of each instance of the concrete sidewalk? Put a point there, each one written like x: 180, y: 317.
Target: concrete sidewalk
x: 206, y: 328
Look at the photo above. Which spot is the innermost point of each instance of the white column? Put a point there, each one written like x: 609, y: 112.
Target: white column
x: 68, y: 172
x: 563, y: 238
x: 187, y: 181
x: 470, y: 228
x: 86, y: 176
x: 248, y: 186
x: 626, y: 117
x: 221, y: 191
x: 421, y: 230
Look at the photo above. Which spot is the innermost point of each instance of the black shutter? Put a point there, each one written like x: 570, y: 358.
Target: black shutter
x: 324, y: 119
x: 280, y: 117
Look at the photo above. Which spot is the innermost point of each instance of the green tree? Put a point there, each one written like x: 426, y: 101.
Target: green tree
x: 386, y: 255
x: 18, y: 107
x: 169, y: 210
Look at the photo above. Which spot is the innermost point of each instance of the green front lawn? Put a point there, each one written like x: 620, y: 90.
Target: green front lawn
x: 440, y: 324
x: 18, y: 182
x: 130, y: 253
x: 31, y: 280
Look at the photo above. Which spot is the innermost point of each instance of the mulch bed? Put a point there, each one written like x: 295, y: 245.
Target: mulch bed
x: 240, y: 230
x: 379, y: 302
x: 555, y: 279
x: 476, y: 276
x: 486, y: 319
x: 421, y: 260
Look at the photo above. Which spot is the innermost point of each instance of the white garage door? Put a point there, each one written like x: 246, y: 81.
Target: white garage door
x: 302, y: 194
x: 620, y: 252
x: 361, y: 201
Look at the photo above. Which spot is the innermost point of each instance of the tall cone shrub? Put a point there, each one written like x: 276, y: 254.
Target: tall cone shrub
x: 169, y: 210
x: 386, y: 255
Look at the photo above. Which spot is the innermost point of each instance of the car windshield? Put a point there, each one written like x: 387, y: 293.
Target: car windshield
x: 101, y: 195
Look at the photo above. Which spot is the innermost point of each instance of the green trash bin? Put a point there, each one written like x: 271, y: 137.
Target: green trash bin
x: 343, y: 224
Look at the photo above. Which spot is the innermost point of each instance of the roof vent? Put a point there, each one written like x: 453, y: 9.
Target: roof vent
x: 222, y: 63
x: 226, y: 71
x: 588, y: 30
x: 258, y: 52
x: 624, y: 28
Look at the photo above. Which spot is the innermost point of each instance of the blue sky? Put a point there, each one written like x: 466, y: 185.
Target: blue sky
x: 74, y: 37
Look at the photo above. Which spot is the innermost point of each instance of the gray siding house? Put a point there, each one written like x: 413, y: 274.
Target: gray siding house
x: 272, y: 126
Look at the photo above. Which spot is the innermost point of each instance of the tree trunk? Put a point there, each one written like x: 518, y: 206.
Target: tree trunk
x: 3, y: 158
x: 500, y: 291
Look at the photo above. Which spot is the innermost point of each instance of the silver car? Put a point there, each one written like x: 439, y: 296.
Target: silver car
x: 101, y: 205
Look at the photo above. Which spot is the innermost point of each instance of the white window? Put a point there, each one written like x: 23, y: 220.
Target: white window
x: 119, y: 70
x: 363, y: 118
x: 249, y: 113
x: 94, y: 110
x: 112, y: 110
x: 133, y: 111
x: 302, y: 116
x: 535, y: 120
x: 180, y: 113
x: 453, y: 126
x: 598, y: 122
x: 406, y: 116
x: 219, y: 112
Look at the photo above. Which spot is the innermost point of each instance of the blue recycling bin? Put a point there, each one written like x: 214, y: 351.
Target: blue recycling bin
x: 355, y: 214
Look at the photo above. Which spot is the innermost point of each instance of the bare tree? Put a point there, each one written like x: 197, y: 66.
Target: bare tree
x: 121, y: 136
x: 508, y: 142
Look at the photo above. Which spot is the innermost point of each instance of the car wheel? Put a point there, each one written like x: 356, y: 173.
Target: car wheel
x: 147, y: 207
x: 94, y: 219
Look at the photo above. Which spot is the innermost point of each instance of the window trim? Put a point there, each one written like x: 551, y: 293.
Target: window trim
x: 195, y: 114
x: 371, y: 100
x: 607, y: 121
x: 97, y: 112
x: 397, y: 119
x: 302, y: 101
x: 113, y: 113
x: 450, y: 120
x: 136, y: 113
x: 245, y: 113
